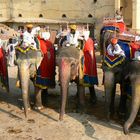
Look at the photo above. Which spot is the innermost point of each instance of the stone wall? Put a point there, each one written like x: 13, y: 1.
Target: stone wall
x: 54, y: 9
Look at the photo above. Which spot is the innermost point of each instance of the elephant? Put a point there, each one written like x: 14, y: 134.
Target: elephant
x: 132, y: 76
x: 31, y: 62
x: 113, y: 74
x: 68, y: 62
x: 27, y: 63
x: 127, y: 75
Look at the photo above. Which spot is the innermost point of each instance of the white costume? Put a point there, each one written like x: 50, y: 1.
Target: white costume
x: 72, y: 39
x: 116, y: 50
x: 11, y: 51
x: 46, y: 35
x: 0, y: 43
x: 28, y: 39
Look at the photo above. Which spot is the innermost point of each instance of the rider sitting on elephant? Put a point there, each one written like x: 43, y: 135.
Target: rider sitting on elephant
x: 72, y: 38
x: 114, y: 49
x: 28, y: 37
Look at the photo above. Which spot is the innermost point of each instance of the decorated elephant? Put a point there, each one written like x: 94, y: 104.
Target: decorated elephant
x: 132, y: 77
x: 69, y: 63
x: 126, y: 72
x: 37, y: 65
x: 113, y: 71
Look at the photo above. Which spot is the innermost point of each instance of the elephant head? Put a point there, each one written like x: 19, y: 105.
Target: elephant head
x: 68, y: 63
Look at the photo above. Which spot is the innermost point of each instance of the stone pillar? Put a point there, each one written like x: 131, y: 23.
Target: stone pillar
x: 117, y: 5
x: 136, y: 15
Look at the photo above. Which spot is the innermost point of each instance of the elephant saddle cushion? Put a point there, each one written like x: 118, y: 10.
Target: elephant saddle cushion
x: 45, y: 77
x: 88, y: 64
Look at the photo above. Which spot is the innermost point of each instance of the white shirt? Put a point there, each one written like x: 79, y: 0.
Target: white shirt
x: 137, y: 55
x: 72, y: 39
x: 1, y: 43
x: 28, y: 39
x: 11, y: 50
x: 116, y: 50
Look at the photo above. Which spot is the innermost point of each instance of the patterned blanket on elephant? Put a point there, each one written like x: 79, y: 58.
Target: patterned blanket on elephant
x: 129, y: 49
x: 3, y: 70
x: 109, y: 28
x: 88, y: 62
x: 24, y: 49
x: 112, y: 61
x: 115, y: 26
x: 45, y: 77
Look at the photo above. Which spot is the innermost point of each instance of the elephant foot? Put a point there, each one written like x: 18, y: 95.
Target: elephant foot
x: 121, y: 115
x: 81, y: 108
x: 109, y: 116
x: 38, y: 107
x: 26, y: 111
x: 93, y: 100
x: 126, y: 129
x: 61, y: 117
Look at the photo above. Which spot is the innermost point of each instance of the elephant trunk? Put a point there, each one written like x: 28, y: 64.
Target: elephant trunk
x: 64, y: 74
x: 24, y: 78
x: 135, y: 106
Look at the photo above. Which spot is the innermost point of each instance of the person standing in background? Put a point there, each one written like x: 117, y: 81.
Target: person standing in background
x: 11, y: 52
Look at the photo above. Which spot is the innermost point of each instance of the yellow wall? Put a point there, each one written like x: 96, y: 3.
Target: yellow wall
x: 53, y: 9
x: 127, y: 11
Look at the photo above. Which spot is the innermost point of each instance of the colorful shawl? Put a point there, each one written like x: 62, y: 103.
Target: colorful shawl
x: 89, y: 65
x: 46, y: 72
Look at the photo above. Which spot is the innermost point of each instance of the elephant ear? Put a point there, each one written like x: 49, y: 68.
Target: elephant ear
x: 74, y: 69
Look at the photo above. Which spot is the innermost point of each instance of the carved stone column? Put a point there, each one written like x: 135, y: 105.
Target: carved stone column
x: 117, y: 4
x: 136, y: 15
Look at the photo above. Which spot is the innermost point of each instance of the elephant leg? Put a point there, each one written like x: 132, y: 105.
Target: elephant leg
x: 93, y: 97
x: 44, y: 96
x: 64, y: 73
x: 112, y: 102
x: 38, y: 100
x: 24, y: 78
x: 110, y: 88
x: 123, y: 100
x: 81, y: 97
x: 134, y: 107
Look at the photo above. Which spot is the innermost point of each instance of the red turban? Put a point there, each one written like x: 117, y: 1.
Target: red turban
x: 114, y: 40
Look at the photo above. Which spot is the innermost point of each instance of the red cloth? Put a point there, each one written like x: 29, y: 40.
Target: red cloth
x: 47, y: 65
x: 89, y: 62
x: 122, y: 26
x: 3, y: 67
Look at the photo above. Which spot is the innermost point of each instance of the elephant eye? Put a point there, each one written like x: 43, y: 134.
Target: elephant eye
x: 72, y: 65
